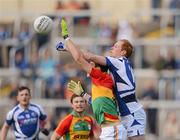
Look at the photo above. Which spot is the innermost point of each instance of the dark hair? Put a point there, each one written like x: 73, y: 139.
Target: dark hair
x: 74, y: 96
x: 103, y: 68
x: 24, y: 88
x: 128, y: 47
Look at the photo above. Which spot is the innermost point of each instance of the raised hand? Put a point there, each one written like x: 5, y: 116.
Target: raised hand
x: 76, y: 88
x: 64, y: 29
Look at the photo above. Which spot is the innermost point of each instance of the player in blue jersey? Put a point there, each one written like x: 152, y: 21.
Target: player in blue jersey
x: 26, y: 118
x: 131, y: 111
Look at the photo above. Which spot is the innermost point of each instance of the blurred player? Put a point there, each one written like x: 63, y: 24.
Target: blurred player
x: 76, y: 125
x: 132, y: 113
x: 26, y: 118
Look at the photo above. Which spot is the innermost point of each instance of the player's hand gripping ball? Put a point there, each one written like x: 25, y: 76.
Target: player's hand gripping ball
x: 43, y: 24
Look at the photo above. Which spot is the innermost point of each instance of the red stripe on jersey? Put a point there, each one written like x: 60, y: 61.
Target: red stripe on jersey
x: 64, y: 125
x: 113, y: 117
x: 100, y: 78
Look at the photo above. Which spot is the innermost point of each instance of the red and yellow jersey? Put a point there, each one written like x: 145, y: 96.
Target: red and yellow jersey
x: 73, y: 127
x: 103, y: 103
x: 102, y: 84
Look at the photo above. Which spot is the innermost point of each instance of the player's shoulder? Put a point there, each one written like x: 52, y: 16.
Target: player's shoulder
x: 115, y: 59
x: 89, y: 118
x: 67, y: 119
x: 13, y: 110
x: 36, y: 107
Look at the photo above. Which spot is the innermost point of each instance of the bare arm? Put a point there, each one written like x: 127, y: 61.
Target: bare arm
x: 4, y: 131
x: 95, y: 58
x: 78, y: 56
x: 55, y: 136
x: 76, y: 52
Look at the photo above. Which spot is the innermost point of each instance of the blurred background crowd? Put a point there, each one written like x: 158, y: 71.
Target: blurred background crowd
x: 152, y: 26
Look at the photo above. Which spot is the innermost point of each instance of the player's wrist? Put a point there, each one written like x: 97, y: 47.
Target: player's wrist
x: 66, y: 37
x: 83, y: 94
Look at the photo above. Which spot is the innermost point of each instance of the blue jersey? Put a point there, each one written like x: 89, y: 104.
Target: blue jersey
x: 124, y: 83
x: 26, y: 122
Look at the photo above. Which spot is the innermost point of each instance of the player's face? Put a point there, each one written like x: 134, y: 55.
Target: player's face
x: 78, y: 104
x: 116, y: 49
x: 23, y: 98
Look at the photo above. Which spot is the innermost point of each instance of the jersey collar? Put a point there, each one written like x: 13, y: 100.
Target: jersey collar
x: 75, y: 114
x: 22, y: 107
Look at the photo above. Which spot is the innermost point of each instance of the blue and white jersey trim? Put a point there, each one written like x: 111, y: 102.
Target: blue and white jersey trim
x: 124, y: 82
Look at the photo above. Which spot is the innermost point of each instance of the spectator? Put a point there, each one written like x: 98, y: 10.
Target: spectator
x: 72, y: 5
x: 171, y: 126
x: 59, y: 5
x: 34, y: 64
x: 20, y: 61
x: 47, y: 65
x: 149, y: 94
x: 42, y: 39
x: 14, y: 90
x: 24, y: 32
x: 56, y: 86
x: 175, y: 5
x: 1, y: 58
x: 3, y: 33
x: 85, y: 19
x: 170, y: 61
x: 166, y: 60
x: 125, y: 31
x: 160, y: 62
x: 156, y: 4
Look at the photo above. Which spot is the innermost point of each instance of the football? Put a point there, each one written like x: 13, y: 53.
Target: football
x: 43, y: 24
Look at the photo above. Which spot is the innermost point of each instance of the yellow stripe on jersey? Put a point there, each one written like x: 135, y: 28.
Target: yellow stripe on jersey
x: 100, y: 91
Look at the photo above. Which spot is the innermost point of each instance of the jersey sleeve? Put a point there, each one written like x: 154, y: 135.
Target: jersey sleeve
x: 43, y: 115
x: 9, y: 118
x: 96, y: 73
x: 63, y: 126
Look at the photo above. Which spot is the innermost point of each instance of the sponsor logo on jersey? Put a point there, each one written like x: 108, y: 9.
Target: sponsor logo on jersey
x: 77, y: 137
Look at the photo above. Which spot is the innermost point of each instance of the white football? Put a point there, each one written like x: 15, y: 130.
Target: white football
x: 43, y: 24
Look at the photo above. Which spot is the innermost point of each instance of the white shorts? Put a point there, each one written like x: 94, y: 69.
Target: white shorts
x: 135, y: 123
x: 117, y: 132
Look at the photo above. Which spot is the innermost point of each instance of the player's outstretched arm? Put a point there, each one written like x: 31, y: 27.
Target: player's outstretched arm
x: 74, y: 50
x: 4, y: 131
x: 95, y: 58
